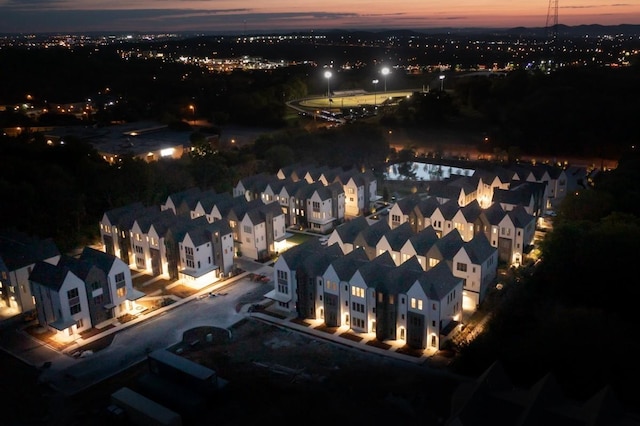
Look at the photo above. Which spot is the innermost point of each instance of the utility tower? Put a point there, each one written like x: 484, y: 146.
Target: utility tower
x: 552, y: 30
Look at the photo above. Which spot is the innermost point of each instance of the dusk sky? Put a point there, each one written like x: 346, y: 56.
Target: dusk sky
x: 251, y: 16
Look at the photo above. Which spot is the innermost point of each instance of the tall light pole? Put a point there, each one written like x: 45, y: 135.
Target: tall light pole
x: 193, y: 113
x: 385, y: 72
x: 375, y: 92
x: 441, y: 82
x: 327, y: 75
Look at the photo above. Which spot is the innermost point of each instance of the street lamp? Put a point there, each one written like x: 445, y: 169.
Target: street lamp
x: 327, y: 75
x: 193, y: 113
x: 375, y: 91
x: 441, y: 82
x: 385, y: 72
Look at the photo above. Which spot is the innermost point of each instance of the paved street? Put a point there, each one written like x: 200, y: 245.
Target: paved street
x: 132, y: 342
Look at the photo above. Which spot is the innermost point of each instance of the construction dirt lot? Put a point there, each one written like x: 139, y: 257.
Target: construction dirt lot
x: 273, y: 375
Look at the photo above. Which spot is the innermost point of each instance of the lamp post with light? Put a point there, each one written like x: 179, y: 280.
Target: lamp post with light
x: 327, y: 75
x: 193, y: 113
x: 375, y: 92
x: 385, y: 72
x: 441, y: 82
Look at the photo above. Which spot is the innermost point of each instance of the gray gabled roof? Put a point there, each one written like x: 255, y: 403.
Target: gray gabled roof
x: 315, y: 264
x: 79, y: 267
x: 471, y: 211
x: 479, y: 249
x: 48, y: 275
x: 115, y: 215
x: 19, y: 250
x: 212, y: 199
x: 398, y: 236
x: 427, y: 206
x: 152, y: 215
x: 494, y: 214
x: 296, y: 255
x: 449, y: 244
x: 442, y: 190
x: 424, y: 240
x: 402, y: 277
x: 407, y: 204
x: 103, y: 261
x: 518, y: 194
x: 348, y: 231
x: 178, y: 197
x: 375, y: 271
x: 374, y: 232
x: 438, y: 281
x: 449, y: 208
x: 520, y: 217
x: 347, y: 265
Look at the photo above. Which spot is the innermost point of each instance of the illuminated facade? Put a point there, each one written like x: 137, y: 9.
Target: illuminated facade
x: 395, y: 302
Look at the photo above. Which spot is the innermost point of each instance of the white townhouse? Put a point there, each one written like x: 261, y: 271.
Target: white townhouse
x: 253, y: 235
x: 488, y: 182
x: 420, y: 216
x: 362, y: 293
x: 444, y: 249
x: 157, y: 244
x: 205, y: 206
x: 360, y: 192
x: 442, y: 217
x: 476, y: 263
x: 19, y: 253
x: 287, y: 199
x: 206, y: 253
x: 336, y: 288
x: 434, y: 308
x: 418, y: 246
x: 285, y: 291
x: 511, y: 244
x: 146, y: 248
x: 122, y: 296
x: 466, y: 220
x: 115, y: 230
x: 401, y: 211
x: 63, y: 306
x: 262, y: 231
x: 345, y: 234
x: 393, y: 241
x: 325, y: 207
x: 174, y: 200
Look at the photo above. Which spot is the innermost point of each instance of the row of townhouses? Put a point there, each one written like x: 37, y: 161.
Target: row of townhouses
x: 195, y: 235
x: 412, y: 275
x: 311, y: 197
x: 68, y: 294
x: 77, y: 294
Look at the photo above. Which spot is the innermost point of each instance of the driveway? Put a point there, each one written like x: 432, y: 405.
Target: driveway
x: 132, y: 343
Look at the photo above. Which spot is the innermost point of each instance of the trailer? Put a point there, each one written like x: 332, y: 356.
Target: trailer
x: 142, y: 411
x: 180, y: 370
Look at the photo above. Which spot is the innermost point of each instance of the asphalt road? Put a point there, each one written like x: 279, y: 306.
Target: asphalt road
x: 131, y: 345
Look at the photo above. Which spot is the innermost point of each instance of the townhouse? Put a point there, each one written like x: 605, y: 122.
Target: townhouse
x: 394, y: 302
x: 311, y: 197
x: 19, y: 253
x: 76, y: 294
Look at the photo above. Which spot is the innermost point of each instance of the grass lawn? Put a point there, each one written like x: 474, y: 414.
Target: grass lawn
x: 351, y: 101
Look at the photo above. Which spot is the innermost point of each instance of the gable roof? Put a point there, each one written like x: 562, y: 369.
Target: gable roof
x: 48, y: 275
x: 348, y: 231
x: 102, y: 260
x: 438, y: 281
x: 479, y: 249
x: 399, y: 235
x: 345, y: 266
x: 424, y: 240
x: 19, y: 250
